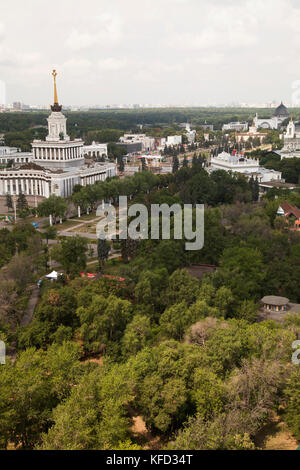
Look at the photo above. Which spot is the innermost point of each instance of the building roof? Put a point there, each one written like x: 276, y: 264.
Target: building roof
x: 278, y: 184
x: 290, y: 210
x: 31, y: 166
x: 274, y: 300
x: 281, y: 111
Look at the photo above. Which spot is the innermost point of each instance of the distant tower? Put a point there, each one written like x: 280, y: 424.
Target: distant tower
x: 290, y: 130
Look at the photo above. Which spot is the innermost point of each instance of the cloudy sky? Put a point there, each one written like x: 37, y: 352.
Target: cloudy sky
x: 150, y: 51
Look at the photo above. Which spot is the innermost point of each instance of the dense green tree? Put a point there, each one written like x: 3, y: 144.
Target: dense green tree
x: 71, y: 254
x: 136, y: 334
x: 103, y: 250
x: 292, y: 394
x: 54, y: 205
x: 95, y: 413
x: 9, y: 201
x: 175, y: 165
x: 22, y: 205
x: 31, y: 388
x: 103, y: 322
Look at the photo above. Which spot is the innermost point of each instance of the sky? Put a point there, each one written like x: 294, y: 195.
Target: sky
x: 180, y: 52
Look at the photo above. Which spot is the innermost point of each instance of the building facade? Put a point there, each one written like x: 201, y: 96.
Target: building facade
x: 238, y: 163
x: 95, y: 150
x: 291, y: 148
x: 280, y: 114
x: 235, y: 126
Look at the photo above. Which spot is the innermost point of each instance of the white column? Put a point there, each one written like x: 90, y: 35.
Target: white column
x: 46, y: 189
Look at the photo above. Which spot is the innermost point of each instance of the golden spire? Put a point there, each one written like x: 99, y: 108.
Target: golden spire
x: 54, y: 74
x: 56, y: 107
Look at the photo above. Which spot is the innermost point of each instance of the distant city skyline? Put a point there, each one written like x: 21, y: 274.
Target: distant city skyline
x: 173, y: 52
x: 19, y: 106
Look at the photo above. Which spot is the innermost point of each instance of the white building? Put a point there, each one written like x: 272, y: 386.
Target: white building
x: 191, y: 134
x: 95, y: 150
x: 247, y: 166
x: 152, y: 160
x: 174, y: 140
x: 5, y: 150
x: 291, y: 148
x: 235, y: 126
x: 236, y: 163
x: 280, y: 114
x: 14, y: 155
x: 147, y: 143
x: 56, y: 165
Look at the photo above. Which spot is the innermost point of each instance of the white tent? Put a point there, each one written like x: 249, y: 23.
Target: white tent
x: 52, y: 275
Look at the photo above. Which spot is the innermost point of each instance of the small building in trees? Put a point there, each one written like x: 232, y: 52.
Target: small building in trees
x: 291, y: 215
x: 276, y: 308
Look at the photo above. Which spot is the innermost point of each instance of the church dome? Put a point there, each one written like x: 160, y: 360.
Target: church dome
x: 281, y: 111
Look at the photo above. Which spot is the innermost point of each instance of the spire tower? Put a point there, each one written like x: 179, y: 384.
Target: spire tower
x: 56, y: 107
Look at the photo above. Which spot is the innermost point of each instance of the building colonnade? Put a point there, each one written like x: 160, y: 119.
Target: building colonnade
x: 57, y: 153
x: 29, y: 186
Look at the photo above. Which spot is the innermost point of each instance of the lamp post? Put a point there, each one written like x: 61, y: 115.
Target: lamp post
x: 15, y: 207
x: 35, y: 200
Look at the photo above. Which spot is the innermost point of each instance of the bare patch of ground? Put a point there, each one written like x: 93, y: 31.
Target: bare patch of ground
x: 275, y: 436
x: 139, y: 429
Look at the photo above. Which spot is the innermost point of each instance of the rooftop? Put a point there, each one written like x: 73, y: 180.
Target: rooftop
x: 274, y: 300
x: 281, y: 111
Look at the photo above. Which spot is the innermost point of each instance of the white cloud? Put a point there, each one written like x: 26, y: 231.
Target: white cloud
x: 12, y: 58
x: 154, y: 51
x: 112, y: 64
x: 102, y: 30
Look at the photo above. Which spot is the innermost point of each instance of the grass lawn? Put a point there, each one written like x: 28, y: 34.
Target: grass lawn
x: 85, y: 228
x: 85, y: 217
x: 66, y: 224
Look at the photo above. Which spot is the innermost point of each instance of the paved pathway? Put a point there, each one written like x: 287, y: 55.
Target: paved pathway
x: 28, y: 315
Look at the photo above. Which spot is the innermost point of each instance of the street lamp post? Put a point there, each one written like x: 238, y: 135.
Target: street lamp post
x: 15, y: 207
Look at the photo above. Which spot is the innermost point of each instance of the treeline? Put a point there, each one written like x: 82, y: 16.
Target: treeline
x: 84, y: 121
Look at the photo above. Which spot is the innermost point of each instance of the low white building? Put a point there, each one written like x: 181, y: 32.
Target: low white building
x: 95, y: 150
x: 235, y: 126
x: 238, y: 163
x: 174, y: 140
x: 147, y: 142
x: 152, y: 160
x: 13, y: 154
x: 5, y: 150
x: 291, y: 148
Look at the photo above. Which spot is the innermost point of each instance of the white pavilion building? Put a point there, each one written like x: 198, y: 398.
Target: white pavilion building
x: 56, y: 164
